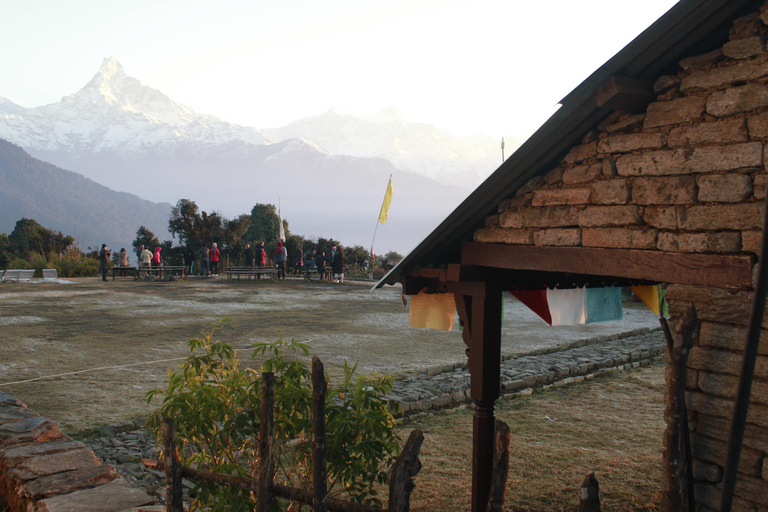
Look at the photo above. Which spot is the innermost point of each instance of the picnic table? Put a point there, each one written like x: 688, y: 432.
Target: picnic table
x: 251, y: 271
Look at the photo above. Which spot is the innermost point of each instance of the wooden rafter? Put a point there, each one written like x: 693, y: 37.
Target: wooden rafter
x: 624, y: 93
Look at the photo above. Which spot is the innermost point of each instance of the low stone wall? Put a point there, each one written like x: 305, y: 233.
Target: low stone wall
x: 448, y: 386
x: 43, y: 470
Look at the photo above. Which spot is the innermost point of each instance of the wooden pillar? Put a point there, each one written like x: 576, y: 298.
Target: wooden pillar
x: 266, y: 468
x: 173, y: 490
x: 319, y: 460
x: 678, y: 473
x: 479, y: 305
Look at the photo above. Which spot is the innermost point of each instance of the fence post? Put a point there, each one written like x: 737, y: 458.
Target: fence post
x: 500, y: 468
x: 402, y: 472
x: 590, y: 494
x: 266, y: 467
x: 319, y: 472
x: 173, y: 497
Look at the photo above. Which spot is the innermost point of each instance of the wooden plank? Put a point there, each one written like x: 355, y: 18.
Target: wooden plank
x: 500, y: 469
x: 173, y: 497
x: 714, y: 270
x: 266, y: 468
x: 401, y: 473
x: 319, y: 460
x: 432, y: 273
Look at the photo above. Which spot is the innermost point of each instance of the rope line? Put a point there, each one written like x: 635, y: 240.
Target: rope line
x: 88, y: 370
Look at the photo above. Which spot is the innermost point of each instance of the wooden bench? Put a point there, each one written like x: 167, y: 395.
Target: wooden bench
x: 167, y: 270
x: 251, y: 271
x: 129, y: 271
x: 308, y: 274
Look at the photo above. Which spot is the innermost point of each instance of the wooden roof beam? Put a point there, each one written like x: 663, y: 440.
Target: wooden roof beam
x: 716, y: 270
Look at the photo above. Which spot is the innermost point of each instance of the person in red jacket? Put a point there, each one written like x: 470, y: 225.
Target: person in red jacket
x: 215, y: 255
x: 156, y: 260
x: 261, y: 257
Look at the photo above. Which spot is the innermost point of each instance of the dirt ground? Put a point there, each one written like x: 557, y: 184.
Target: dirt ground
x: 85, y: 325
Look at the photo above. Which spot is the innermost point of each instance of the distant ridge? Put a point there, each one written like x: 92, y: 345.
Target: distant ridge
x: 71, y: 203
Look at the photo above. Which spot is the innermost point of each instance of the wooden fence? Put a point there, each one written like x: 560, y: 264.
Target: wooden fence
x: 400, y: 477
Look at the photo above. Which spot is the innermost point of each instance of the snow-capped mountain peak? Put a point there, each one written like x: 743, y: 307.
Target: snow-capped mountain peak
x: 116, y: 112
x: 110, y: 68
x: 7, y: 107
x: 416, y: 147
x: 111, y: 85
x: 388, y: 115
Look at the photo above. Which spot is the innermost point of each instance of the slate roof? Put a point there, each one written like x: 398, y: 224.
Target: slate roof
x: 690, y: 27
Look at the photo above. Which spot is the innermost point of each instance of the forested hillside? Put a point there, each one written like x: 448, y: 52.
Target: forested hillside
x: 68, y: 202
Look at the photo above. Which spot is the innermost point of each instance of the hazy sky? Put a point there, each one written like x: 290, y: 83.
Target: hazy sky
x: 470, y: 66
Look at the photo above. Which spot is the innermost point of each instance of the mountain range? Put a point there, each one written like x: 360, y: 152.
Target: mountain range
x: 328, y: 173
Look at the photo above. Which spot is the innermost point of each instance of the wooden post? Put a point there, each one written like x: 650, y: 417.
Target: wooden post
x: 402, y: 472
x: 479, y: 306
x: 500, y: 469
x: 173, y: 496
x: 266, y: 468
x: 590, y: 494
x: 677, y: 465
x: 319, y: 471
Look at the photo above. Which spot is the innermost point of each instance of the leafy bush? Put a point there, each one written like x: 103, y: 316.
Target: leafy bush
x: 216, y: 406
x: 72, y: 264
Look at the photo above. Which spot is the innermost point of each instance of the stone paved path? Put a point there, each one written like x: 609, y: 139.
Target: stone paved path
x: 123, y: 445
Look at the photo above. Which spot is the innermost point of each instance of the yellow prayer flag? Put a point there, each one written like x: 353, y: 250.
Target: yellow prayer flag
x: 649, y: 295
x: 385, y: 205
x: 432, y: 311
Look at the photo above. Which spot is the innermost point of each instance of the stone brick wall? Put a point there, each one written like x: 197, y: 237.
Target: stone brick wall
x: 687, y: 175
x: 43, y: 470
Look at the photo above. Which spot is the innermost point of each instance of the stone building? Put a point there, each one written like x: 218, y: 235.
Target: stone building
x: 652, y: 171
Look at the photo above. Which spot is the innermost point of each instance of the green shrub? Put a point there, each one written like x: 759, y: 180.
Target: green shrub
x: 216, y: 407
x: 73, y: 263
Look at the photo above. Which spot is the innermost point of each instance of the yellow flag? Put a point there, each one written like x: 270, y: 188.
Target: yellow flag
x: 649, y: 295
x: 385, y: 205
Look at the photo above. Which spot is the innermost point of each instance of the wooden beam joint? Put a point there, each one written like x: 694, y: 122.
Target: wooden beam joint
x: 624, y: 93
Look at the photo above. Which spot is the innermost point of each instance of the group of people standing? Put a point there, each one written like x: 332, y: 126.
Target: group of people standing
x: 318, y: 260
x: 209, y: 260
x: 254, y: 257
x: 146, y: 258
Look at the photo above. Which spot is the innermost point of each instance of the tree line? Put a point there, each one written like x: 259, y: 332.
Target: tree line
x: 30, y: 245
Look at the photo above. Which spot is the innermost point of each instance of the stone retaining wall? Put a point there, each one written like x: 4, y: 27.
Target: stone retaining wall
x: 687, y: 175
x: 43, y: 470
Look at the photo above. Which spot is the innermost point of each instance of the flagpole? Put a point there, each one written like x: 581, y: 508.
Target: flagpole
x: 374, y: 238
